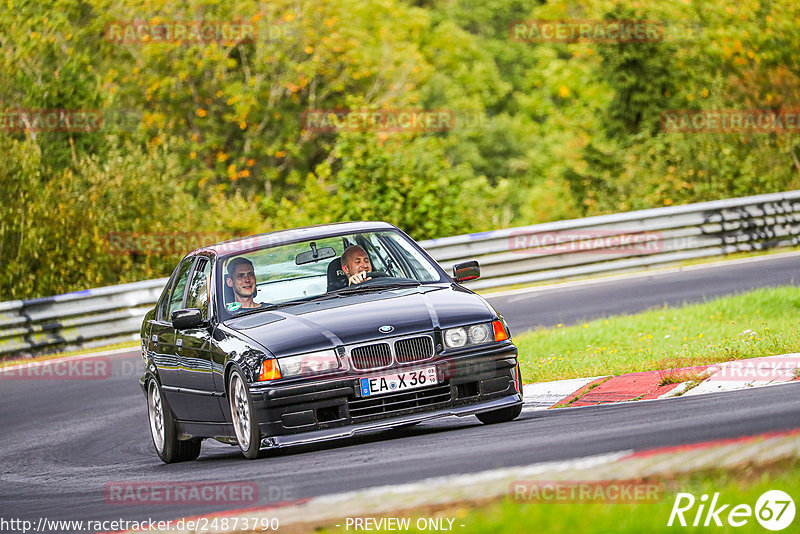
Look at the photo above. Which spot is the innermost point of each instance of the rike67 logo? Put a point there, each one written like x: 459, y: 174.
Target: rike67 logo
x: 774, y: 510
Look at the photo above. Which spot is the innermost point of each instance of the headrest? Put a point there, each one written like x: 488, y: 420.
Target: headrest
x: 336, y: 277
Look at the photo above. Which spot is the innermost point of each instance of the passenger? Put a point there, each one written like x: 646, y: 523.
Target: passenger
x: 356, y: 265
x: 241, y: 278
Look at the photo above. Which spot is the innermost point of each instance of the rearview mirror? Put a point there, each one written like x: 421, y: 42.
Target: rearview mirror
x: 315, y: 254
x: 469, y: 270
x: 188, y: 318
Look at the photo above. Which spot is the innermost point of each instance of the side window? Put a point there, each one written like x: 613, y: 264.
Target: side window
x: 200, y: 286
x: 420, y: 268
x: 163, y: 300
x: 176, y: 299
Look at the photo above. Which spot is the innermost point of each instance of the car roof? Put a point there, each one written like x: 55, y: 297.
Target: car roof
x: 245, y: 244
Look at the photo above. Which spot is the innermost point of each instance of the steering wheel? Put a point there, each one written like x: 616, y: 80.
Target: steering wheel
x: 371, y: 276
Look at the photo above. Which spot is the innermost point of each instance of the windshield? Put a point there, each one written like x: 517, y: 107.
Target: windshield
x: 321, y: 268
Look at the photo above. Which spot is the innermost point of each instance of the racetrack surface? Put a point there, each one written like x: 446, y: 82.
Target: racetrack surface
x: 547, y: 306
x: 64, y: 440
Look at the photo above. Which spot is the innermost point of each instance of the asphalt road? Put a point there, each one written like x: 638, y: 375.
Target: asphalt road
x: 574, y: 302
x: 64, y: 441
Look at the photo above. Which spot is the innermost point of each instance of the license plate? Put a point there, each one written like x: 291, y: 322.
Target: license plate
x: 379, y: 385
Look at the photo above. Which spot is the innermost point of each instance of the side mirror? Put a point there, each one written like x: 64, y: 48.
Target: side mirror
x: 188, y: 318
x: 469, y: 270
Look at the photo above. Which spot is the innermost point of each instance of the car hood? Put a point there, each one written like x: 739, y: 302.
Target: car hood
x: 357, y: 318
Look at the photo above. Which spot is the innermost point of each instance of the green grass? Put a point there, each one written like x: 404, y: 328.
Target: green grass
x: 740, y: 486
x: 509, y: 516
x: 758, y: 323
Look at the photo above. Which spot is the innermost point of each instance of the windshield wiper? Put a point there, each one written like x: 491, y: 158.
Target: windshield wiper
x: 374, y: 287
x: 339, y: 293
x: 297, y: 302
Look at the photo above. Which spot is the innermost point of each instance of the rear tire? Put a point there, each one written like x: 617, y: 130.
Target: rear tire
x: 163, y: 431
x: 243, y: 416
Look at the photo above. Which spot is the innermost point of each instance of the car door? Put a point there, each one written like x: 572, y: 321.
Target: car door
x: 163, y: 335
x: 196, y: 350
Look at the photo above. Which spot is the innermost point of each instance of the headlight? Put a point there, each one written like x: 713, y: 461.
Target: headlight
x: 459, y: 337
x: 455, y: 337
x: 478, y: 334
x: 308, y: 364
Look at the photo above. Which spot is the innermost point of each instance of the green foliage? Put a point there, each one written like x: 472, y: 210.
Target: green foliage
x: 58, y: 234
x: 20, y: 171
x: 407, y: 182
x: 544, y: 130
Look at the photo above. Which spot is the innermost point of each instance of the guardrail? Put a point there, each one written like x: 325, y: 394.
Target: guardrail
x: 559, y: 250
x: 624, y: 241
x: 94, y: 317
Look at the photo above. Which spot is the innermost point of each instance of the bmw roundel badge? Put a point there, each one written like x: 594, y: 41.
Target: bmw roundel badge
x: 385, y: 329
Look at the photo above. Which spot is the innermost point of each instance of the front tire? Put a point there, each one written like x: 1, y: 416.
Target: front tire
x: 243, y: 416
x: 163, y: 431
x: 504, y: 415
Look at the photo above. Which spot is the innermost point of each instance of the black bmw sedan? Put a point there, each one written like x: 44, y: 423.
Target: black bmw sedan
x: 318, y: 333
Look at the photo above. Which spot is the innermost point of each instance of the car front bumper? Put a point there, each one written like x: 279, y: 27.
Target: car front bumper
x: 325, y: 410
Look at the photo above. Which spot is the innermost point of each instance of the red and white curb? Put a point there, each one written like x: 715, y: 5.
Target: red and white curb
x: 543, y: 395
x: 699, y: 380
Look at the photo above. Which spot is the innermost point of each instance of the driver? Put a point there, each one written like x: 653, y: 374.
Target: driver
x: 356, y: 265
x: 242, y: 279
